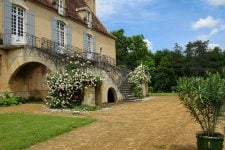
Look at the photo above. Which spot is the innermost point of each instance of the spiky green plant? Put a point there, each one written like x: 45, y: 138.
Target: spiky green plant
x: 204, y: 99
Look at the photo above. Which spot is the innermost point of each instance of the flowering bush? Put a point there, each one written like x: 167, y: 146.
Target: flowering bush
x: 137, y: 78
x: 67, y: 87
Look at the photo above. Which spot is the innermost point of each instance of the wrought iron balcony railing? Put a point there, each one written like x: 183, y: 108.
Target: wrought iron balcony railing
x: 52, y: 48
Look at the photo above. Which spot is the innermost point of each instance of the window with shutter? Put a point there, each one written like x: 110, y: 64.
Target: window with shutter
x: 61, y: 34
x: 89, y: 45
x: 17, y: 25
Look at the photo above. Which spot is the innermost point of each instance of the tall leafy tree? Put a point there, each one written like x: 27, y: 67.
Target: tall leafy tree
x: 196, y: 58
x: 166, y: 66
x: 132, y: 51
x: 122, y: 47
x: 164, y: 78
x: 178, y: 60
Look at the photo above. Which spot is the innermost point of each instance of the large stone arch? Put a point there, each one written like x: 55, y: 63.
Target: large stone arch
x: 27, y: 73
x: 18, y: 58
x: 29, y: 79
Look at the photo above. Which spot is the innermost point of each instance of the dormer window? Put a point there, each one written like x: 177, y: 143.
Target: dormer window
x: 89, y: 19
x: 60, y: 7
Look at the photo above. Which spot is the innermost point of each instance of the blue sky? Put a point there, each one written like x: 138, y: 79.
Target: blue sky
x: 165, y: 22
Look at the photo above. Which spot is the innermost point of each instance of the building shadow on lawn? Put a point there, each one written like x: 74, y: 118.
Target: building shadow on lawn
x: 182, y: 147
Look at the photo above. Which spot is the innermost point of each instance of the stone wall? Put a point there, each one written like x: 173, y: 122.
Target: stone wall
x: 89, y: 96
x: 99, y: 95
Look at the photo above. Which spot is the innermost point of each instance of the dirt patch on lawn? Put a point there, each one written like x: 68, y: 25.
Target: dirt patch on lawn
x: 156, y: 124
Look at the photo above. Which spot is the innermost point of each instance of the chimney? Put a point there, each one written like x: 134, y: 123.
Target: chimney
x: 91, y: 4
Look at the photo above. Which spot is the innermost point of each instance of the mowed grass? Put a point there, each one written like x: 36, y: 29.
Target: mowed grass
x: 163, y: 94
x: 20, y: 131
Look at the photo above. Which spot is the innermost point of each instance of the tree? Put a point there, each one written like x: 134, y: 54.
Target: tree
x: 195, y: 58
x: 121, y: 47
x: 132, y: 51
x: 178, y: 60
x: 215, y: 60
x: 166, y: 66
x: 164, y: 78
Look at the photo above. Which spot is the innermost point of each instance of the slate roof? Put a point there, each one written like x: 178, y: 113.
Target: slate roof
x: 71, y: 9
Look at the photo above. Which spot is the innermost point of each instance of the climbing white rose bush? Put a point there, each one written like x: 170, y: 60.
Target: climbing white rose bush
x: 66, y: 88
x: 137, y: 78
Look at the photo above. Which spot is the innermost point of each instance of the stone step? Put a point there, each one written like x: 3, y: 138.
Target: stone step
x: 132, y: 98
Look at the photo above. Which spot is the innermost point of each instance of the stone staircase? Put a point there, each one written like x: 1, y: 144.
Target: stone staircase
x: 126, y: 89
x: 125, y: 86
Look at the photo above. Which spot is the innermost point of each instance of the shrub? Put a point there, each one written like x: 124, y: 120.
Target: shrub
x: 8, y: 99
x: 67, y: 87
x: 137, y: 78
x: 204, y: 99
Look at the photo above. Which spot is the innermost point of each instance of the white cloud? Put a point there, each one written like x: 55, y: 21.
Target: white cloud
x: 213, y: 45
x: 128, y: 11
x: 212, y: 33
x: 216, y: 2
x: 149, y: 44
x: 208, y: 22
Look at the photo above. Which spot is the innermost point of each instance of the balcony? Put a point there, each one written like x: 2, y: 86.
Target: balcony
x: 44, y: 45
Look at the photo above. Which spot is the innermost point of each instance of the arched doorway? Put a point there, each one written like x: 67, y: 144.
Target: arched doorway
x: 29, y: 80
x: 111, y: 95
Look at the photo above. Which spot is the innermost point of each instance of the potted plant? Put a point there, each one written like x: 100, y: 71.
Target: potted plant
x: 204, y: 99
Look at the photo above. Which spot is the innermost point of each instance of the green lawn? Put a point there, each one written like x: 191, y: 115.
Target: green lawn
x: 162, y: 94
x: 19, y: 130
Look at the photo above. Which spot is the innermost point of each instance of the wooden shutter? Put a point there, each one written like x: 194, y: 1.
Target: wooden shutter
x: 69, y: 37
x: 31, y: 27
x: 85, y: 42
x: 7, y: 22
x: 94, y: 44
x: 54, y: 33
x: 30, y: 22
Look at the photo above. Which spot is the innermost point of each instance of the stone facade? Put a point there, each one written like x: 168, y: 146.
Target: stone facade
x: 24, y: 66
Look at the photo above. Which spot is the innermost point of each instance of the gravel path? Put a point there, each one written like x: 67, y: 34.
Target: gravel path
x: 156, y: 124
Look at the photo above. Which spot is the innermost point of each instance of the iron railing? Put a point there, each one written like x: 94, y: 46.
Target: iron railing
x: 46, y: 46
x: 52, y: 48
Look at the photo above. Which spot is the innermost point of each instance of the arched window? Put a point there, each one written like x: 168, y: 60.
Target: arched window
x: 17, y: 26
